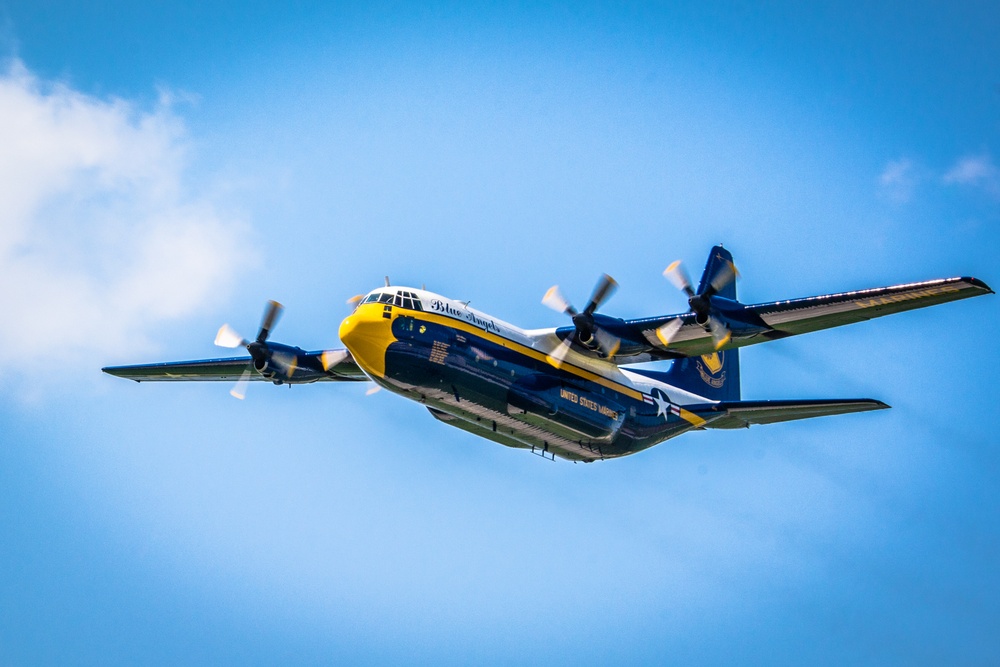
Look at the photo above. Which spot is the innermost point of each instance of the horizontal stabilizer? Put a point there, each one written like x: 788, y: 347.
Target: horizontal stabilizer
x: 741, y: 414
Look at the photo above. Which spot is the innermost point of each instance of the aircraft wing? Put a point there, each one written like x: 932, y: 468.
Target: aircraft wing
x: 822, y: 312
x: 761, y: 322
x: 741, y: 414
x: 343, y: 369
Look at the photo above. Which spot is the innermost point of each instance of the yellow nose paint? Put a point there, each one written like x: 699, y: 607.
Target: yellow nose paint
x: 367, y: 333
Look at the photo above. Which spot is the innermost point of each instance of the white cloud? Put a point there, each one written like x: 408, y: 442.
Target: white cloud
x: 100, y: 238
x: 977, y: 171
x: 898, y: 180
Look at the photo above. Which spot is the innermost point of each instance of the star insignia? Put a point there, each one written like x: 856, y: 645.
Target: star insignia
x: 662, y: 405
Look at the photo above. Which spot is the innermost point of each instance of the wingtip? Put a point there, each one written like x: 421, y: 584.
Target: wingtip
x: 112, y: 371
x: 979, y: 283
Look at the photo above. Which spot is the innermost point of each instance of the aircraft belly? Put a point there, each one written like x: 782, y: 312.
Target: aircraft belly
x: 510, y: 398
x: 476, y: 397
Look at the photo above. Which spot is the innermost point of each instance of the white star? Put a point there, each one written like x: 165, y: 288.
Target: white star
x: 662, y: 405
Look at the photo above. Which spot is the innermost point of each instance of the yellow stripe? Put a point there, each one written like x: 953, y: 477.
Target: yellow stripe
x: 691, y: 417
x: 527, y: 351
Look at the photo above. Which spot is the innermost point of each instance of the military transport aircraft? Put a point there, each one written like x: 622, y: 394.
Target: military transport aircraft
x: 567, y: 391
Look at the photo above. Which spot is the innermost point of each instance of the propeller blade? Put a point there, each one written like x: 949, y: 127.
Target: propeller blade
x: 558, y: 355
x: 227, y: 337
x: 606, y: 286
x: 676, y: 274
x: 720, y: 332
x: 608, y: 343
x: 331, y: 358
x: 354, y: 300
x: 286, y: 361
x: 557, y: 302
x: 724, y: 275
x: 667, y: 332
x: 240, y: 390
x: 271, y: 316
x: 373, y: 390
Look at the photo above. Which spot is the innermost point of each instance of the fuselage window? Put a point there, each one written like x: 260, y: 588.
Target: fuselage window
x: 370, y: 298
x: 385, y: 297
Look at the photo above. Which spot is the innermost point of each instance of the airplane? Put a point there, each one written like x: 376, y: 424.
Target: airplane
x: 572, y: 391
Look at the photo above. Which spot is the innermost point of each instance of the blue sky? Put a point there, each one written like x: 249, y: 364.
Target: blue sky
x: 170, y: 168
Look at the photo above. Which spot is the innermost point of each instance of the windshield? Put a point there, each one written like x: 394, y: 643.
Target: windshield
x: 400, y: 298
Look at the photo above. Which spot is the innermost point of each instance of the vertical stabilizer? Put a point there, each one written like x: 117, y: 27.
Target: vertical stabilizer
x: 717, y: 257
x: 715, y: 376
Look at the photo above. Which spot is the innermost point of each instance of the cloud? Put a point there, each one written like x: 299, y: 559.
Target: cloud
x: 898, y: 180
x: 101, y: 239
x: 975, y: 171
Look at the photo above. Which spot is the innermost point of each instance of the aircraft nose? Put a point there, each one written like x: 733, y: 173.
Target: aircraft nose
x: 367, y: 332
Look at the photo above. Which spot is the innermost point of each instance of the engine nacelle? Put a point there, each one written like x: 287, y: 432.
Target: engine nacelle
x: 284, y: 364
x: 262, y: 366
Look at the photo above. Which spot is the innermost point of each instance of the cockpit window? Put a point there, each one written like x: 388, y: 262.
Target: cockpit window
x: 401, y: 299
x: 411, y: 301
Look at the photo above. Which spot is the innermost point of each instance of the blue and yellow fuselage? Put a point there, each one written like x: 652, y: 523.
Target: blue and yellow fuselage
x: 499, y: 382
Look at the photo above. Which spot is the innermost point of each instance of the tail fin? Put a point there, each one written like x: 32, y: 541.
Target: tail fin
x: 715, y: 376
x: 719, y: 255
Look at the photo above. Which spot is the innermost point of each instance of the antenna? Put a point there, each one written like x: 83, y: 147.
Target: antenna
x: 387, y: 281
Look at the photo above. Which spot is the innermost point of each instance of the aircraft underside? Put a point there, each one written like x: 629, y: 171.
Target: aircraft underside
x: 484, y: 388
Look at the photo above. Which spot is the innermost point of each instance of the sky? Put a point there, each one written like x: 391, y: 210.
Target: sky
x: 168, y: 167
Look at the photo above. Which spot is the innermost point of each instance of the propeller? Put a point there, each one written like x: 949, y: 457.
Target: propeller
x: 587, y: 332
x: 271, y: 316
x: 260, y: 353
x: 331, y: 358
x: 240, y: 390
x: 701, y: 304
x: 227, y: 337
